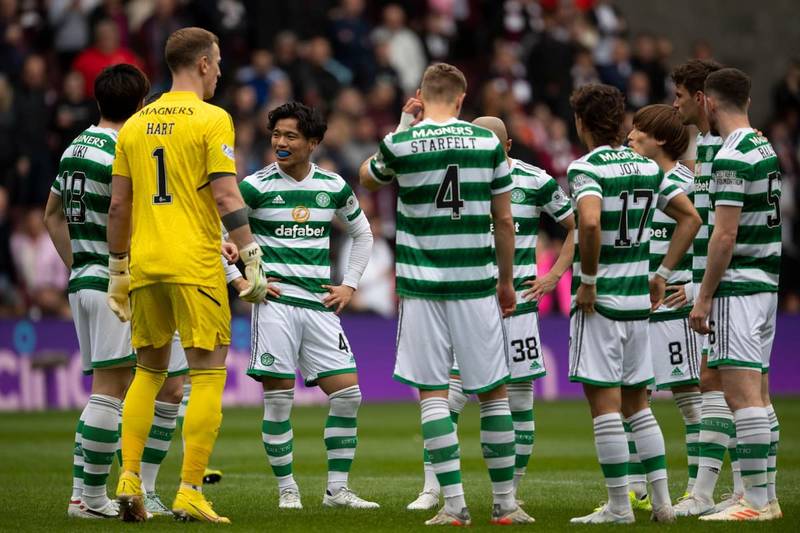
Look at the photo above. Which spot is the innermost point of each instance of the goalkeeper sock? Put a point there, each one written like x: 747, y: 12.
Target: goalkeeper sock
x: 651, y: 449
x: 716, y: 427
x: 690, y: 404
x: 77, y: 459
x: 202, y: 422
x: 137, y: 415
x: 441, y: 441
x: 341, y: 435
x: 613, y: 455
x: 99, y: 444
x: 276, y: 432
x: 520, y: 399
x: 157, y: 445
x: 637, y: 479
x: 497, y: 443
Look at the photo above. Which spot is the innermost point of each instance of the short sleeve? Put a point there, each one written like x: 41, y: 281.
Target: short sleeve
x: 554, y: 201
x: 55, y: 188
x: 347, y: 207
x: 120, y: 166
x: 380, y: 166
x: 729, y: 180
x: 250, y: 194
x: 501, y: 177
x: 667, y: 190
x: 583, y: 181
x: 220, y: 140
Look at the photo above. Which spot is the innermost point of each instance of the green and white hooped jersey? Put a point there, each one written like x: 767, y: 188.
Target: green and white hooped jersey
x: 84, y: 185
x: 291, y: 222
x: 534, y: 191
x: 707, y: 147
x: 630, y: 187
x: 661, y: 235
x: 447, y: 174
x: 746, y: 174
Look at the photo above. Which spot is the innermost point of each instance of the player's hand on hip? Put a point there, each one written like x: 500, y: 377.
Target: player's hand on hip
x: 119, y: 285
x: 254, y: 273
x: 678, y: 298
x: 539, y: 287
x: 657, y: 290
x: 338, y: 295
x: 698, y: 317
x: 586, y: 297
x: 230, y: 252
x: 507, y: 298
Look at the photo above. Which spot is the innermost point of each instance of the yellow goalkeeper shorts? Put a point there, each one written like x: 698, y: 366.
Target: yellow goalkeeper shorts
x: 201, y: 315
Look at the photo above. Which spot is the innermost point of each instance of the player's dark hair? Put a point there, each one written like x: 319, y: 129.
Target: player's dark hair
x: 663, y: 123
x: 443, y: 83
x: 693, y: 74
x: 119, y: 90
x: 731, y: 86
x: 309, y: 121
x: 601, y: 109
x: 186, y: 45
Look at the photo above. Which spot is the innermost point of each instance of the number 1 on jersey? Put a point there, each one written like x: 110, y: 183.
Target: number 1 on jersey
x: 449, y: 194
x: 161, y: 196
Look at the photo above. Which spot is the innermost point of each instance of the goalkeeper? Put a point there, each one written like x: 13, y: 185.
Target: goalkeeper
x: 174, y: 177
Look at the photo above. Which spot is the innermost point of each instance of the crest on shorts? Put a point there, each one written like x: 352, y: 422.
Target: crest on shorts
x: 301, y: 214
x: 323, y: 199
x: 517, y: 196
x: 267, y: 359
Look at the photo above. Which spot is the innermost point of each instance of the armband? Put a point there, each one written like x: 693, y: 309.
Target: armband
x: 235, y: 219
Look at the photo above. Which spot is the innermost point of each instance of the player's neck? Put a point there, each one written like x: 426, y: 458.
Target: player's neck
x: 727, y: 123
x: 664, y: 162
x: 298, y: 171
x: 108, y: 124
x: 702, y: 125
x: 186, y: 83
x: 438, y: 112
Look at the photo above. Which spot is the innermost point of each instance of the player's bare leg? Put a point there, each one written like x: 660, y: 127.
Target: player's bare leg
x: 137, y: 417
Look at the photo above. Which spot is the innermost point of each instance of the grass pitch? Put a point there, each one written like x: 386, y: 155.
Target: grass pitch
x: 563, y: 479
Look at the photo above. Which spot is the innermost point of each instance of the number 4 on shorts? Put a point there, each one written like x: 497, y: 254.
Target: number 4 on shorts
x: 343, y: 344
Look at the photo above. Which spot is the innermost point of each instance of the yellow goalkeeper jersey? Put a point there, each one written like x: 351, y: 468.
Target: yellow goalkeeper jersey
x: 170, y: 150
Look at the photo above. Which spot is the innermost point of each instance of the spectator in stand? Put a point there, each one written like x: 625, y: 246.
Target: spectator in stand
x: 617, y: 71
x: 32, y: 120
x: 610, y: 24
x: 9, y: 304
x: 517, y: 19
x: 549, y: 66
x: 382, y: 107
x: 583, y: 71
x: 105, y: 52
x: 287, y: 59
x: 280, y: 93
x: 71, y: 31
x: 324, y: 76
x: 350, y: 38
x: 361, y: 145
x: 701, y: 49
x: 351, y: 102
x: 74, y: 111
x: 786, y: 93
x: 646, y: 59
x: 559, y: 151
x: 165, y: 19
x: 8, y: 142
x: 40, y: 270
x: 638, y: 93
x: 406, y: 53
x: 506, y: 67
x: 261, y: 74
x: 245, y: 103
x: 113, y: 10
x: 337, y: 137
x: 384, y: 71
x: 438, y: 36
x: 13, y: 45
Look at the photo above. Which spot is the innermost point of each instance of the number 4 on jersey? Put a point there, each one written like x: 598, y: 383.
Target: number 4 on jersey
x: 449, y: 194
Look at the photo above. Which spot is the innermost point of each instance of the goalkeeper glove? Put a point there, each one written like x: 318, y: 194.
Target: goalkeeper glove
x: 254, y: 272
x: 118, y: 288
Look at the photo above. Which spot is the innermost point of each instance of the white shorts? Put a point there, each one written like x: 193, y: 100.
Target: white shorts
x: 609, y: 353
x: 744, y: 329
x: 177, y: 358
x: 675, y: 350
x: 525, y: 361
x: 104, y: 341
x: 432, y: 335
x: 288, y: 337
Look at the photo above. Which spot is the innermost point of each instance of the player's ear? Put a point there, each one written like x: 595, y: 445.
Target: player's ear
x: 508, y: 145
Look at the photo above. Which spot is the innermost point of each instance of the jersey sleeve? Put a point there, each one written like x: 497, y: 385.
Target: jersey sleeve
x: 250, y: 194
x: 55, y: 188
x: 730, y: 180
x: 554, y: 201
x: 380, y: 166
x: 120, y: 167
x: 583, y: 181
x: 220, y: 140
x: 667, y: 190
x: 501, y: 176
x: 347, y: 207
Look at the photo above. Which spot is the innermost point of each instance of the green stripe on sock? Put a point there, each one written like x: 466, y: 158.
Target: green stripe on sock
x: 275, y: 428
x: 522, y: 416
x: 77, y: 471
x: 278, y: 450
x: 501, y: 474
x: 449, y: 478
x: 97, y: 458
x: 498, y: 449
x: 339, y: 465
x: 94, y: 480
x: 720, y: 425
x: 614, y: 470
x: 437, y: 428
x: 337, y: 443
x: 441, y: 455
x: 521, y: 461
x: 153, y: 456
x: 635, y: 469
x: 712, y: 450
x: 160, y: 433
x: 340, y: 422
x: 282, y: 470
x: 652, y: 464
x: 523, y: 437
x: 752, y: 451
x: 105, y: 436
x: 496, y: 423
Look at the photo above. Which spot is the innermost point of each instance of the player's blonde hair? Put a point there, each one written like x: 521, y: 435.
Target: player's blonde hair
x: 442, y: 83
x: 186, y: 45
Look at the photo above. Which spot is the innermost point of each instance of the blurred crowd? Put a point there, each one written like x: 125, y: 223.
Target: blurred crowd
x: 357, y: 61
